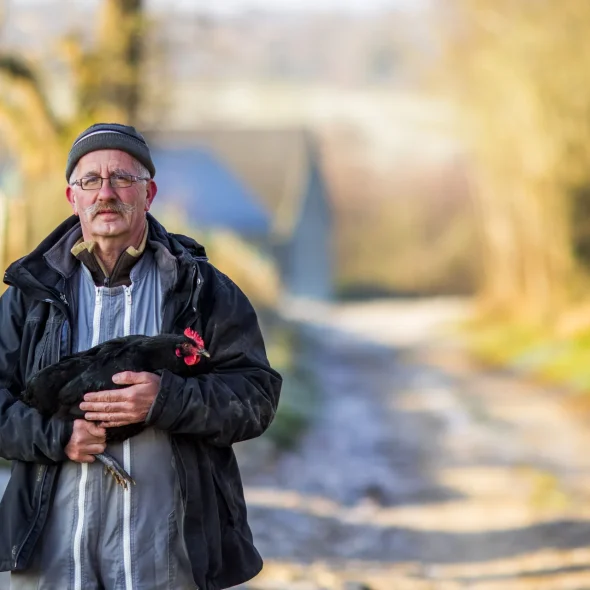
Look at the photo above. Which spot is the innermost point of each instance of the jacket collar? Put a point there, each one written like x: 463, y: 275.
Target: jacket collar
x: 121, y: 273
x: 51, y: 263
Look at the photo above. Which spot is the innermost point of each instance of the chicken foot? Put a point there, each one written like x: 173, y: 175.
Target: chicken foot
x: 112, y: 466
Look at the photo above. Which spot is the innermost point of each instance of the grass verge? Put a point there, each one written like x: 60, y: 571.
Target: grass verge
x: 533, y: 350
x: 288, y: 352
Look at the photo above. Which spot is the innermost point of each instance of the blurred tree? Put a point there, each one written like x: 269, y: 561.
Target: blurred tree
x: 106, y: 86
x: 520, y: 72
x: 107, y: 76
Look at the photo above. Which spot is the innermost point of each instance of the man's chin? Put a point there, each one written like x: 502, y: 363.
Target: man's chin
x: 108, y: 225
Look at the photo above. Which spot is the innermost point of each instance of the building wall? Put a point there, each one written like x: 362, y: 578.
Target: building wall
x: 308, y: 268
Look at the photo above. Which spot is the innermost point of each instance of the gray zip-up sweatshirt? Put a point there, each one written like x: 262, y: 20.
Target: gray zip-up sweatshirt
x: 99, y: 535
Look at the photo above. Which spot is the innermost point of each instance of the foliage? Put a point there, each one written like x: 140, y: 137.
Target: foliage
x: 519, y: 75
x: 299, y: 395
x: 294, y: 413
x: 533, y: 350
x: 106, y: 87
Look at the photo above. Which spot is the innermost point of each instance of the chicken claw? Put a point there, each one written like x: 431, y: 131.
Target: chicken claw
x: 115, y: 469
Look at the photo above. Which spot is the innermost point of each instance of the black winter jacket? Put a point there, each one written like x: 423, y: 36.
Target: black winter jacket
x: 205, y: 415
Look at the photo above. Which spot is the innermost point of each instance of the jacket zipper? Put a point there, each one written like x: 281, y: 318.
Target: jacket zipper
x: 127, y: 557
x: 177, y: 456
x: 190, y: 297
x: 188, y: 302
x: 97, y: 314
x: 127, y: 317
x: 65, y: 325
x: 79, y: 530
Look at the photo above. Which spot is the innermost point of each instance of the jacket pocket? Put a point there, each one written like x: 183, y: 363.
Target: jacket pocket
x: 47, y: 342
x: 40, y: 351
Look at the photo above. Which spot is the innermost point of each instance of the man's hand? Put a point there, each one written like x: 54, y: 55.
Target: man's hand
x: 87, y: 440
x: 119, y: 407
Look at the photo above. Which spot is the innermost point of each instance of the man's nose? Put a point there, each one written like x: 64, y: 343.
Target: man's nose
x: 106, y: 190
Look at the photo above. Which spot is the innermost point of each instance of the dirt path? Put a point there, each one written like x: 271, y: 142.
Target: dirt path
x: 420, y: 470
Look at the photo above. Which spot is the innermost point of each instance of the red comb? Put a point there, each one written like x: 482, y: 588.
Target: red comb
x: 189, y: 333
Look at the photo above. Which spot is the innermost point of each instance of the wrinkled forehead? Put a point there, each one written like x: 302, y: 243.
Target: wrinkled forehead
x: 103, y: 161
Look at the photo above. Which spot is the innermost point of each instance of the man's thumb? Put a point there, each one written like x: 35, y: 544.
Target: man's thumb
x: 119, y: 377
x: 96, y: 430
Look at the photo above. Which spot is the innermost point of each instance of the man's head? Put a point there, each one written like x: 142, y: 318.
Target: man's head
x: 110, y: 184
x: 110, y: 136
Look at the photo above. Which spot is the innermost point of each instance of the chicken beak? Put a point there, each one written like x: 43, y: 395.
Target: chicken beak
x: 203, y: 352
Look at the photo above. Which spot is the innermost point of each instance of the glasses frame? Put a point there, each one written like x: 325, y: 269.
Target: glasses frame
x: 133, y: 178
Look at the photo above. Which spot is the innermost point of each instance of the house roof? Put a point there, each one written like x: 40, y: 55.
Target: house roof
x: 208, y: 191
x: 274, y: 164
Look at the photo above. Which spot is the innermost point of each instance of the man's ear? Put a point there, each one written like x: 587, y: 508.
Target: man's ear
x: 151, y: 189
x: 71, y: 199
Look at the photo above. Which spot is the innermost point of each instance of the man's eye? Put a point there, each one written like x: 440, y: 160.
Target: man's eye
x: 121, y: 180
x: 91, y: 181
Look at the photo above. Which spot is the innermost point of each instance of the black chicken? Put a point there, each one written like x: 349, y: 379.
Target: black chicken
x: 58, y: 389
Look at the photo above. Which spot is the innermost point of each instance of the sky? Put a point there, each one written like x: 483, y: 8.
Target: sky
x: 236, y: 6
x: 229, y: 7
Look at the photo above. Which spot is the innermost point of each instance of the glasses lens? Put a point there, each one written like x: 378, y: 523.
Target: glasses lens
x: 91, y: 182
x: 121, y: 181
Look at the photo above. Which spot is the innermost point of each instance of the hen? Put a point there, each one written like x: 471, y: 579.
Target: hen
x: 58, y: 389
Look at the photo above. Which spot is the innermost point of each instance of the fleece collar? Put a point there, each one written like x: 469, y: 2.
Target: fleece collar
x: 85, y: 252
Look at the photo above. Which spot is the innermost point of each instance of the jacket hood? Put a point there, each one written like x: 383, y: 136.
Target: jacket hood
x: 178, y: 244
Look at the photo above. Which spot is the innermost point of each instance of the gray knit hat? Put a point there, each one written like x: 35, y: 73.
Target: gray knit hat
x: 110, y: 136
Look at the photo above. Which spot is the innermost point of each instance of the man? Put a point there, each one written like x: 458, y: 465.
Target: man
x: 111, y: 270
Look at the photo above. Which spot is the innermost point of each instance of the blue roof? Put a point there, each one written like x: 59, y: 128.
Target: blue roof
x: 212, y: 196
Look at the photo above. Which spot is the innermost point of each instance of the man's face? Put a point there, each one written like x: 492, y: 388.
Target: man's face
x: 110, y: 212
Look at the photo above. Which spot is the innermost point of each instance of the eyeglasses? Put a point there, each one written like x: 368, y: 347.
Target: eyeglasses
x: 92, y: 183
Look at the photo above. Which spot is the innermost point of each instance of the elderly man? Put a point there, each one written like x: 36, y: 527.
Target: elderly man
x: 111, y: 270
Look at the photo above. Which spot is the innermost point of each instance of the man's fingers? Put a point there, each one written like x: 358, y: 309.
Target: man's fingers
x: 109, y: 419
x: 107, y: 396
x: 108, y: 407
x: 97, y: 431
x: 83, y: 456
x: 116, y: 424
x: 95, y: 449
x: 83, y: 429
x: 130, y: 377
x: 87, y: 440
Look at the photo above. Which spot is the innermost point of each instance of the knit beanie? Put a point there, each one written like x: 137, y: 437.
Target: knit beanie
x: 110, y: 136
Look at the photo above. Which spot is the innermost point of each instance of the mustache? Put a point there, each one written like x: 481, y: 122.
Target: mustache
x: 110, y: 207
